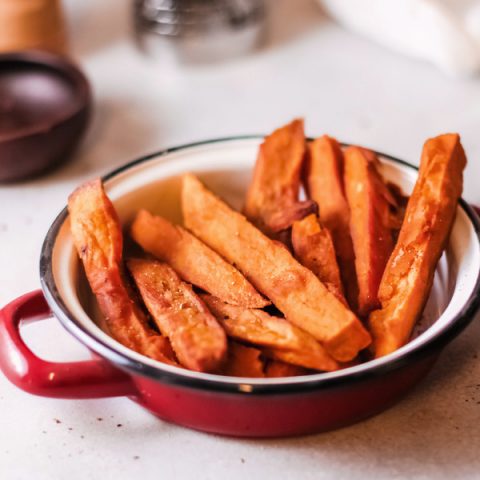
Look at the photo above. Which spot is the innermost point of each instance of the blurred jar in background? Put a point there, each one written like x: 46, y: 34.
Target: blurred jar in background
x: 32, y: 24
x: 199, y: 30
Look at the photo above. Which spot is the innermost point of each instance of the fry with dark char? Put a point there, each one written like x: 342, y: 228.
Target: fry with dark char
x: 399, y: 207
x: 296, y: 291
x: 313, y: 248
x: 196, y: 337
x: 194, y: 261
x: 243, y: 361
x: 272, y: 202
x: 430, y: 214
x: 324, y: 184
x: 370, y: 223
x: 279, y: 335
x: 97, y: 236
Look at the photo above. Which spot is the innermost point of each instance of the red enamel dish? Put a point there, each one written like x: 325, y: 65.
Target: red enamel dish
x: 213, y: 403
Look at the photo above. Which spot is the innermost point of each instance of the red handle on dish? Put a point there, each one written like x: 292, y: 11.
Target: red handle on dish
x: 88, y: 379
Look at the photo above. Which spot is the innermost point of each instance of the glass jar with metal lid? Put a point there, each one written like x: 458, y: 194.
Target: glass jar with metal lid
x: 199, y: 30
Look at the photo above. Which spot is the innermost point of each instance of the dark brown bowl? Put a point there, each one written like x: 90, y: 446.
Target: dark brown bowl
x: 45, y: 105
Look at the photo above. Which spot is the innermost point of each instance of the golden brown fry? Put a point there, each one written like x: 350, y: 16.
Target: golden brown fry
x: 197, y: 338
x: 324, y: 183
x: 313, y: 247
x: 243, y: 361
x: 98, y: 239
x: 260, y: 328
x: 277, y: 369
x: 370, y: 223
x: 272, y: 202
x: 430, y: 213
x: 193, y: 260
x: 295, y: 290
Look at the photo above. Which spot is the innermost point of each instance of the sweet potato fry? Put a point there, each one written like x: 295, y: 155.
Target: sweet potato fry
x: 98, y: 239
x: 370, y: 225
x: 295, y: 290
x: 324, y: 184
x: 193, y: 260
x: 277, y: 369
x: 197, y: 338
x: 272, y: 202
x: 313, y: 248
x: 260, y: 328
x: 243, y: 361
x: 430, y: 213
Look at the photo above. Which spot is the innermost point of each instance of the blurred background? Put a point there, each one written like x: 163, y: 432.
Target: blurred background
x: 168, y: 72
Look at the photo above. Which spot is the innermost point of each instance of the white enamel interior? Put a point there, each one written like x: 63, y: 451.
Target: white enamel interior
x: 226, y: 168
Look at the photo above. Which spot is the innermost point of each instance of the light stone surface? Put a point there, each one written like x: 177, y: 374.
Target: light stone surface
x: 343, y: 85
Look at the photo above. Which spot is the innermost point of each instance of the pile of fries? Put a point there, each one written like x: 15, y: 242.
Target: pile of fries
x: 288, y: 286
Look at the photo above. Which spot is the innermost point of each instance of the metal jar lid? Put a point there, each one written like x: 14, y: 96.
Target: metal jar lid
x: 199, y: 30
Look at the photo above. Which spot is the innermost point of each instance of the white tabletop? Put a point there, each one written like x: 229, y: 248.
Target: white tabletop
x: 341, y: 84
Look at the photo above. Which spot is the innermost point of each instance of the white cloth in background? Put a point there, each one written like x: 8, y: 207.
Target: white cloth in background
x: 444, y: 32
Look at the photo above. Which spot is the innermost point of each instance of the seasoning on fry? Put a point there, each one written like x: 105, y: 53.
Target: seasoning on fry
x: 196, y: 337
x: 194, y: 261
